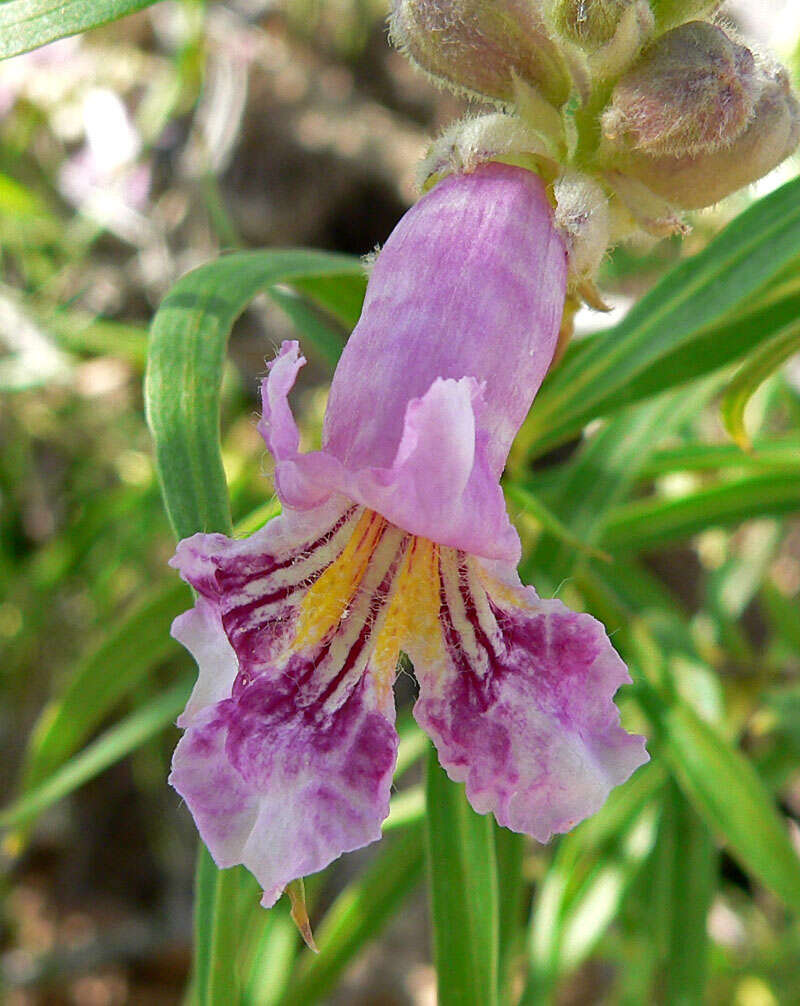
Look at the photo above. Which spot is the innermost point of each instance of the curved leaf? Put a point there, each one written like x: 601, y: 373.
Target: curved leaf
x: 184, y: 373
x: 756, y: 369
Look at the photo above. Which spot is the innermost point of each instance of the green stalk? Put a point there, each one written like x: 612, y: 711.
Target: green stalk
x: 464, y: 896
x: 215, y: 932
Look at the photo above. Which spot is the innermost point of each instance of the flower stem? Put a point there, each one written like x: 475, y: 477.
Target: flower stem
x: 464, y: 895
x: 216, y: 932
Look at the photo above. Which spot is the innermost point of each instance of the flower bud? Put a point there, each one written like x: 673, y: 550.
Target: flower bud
x: 696, y: 180
x: 610, y: 32
x: 669, y: 13
x: 478, y: 46
x: 582, y: 220
x: 645, y: 210
x: 693, y: 91
x: 467, y: 144
x: 589, y: 24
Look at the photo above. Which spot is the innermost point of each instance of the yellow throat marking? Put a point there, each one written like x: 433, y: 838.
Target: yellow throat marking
x: 413, y: 613
x: 329, y: 600
x: 411, y: 620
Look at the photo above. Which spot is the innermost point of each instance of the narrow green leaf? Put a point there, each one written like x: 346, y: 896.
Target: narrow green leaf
x: 407, y: 807
x: 648, y: 523
x: 588, y: 878
x: 734, y: 584
x: 593, y: 910
x: 18, y: 201
x: 272, y: 958
x: 603, y: 473
x: 782, y: 614
x: 79, y: 332
x: 656, y: 345
x: 27, y: 24
x: 511, y: 890
x: 358, y: 915
x: 111, y: 671
x: 216, y: 930
x: 110, y: 747
x: 464, y: 895
x: 342, y: 296
x: 726, y: 791
x: 413, y: 745
x: 686, y: 865
x: 258, y: 518
x: 756, y: 369
x: 719, y: 781
x: 529, y: 503
x: 187, y: 349
x: 778, y: 452
x: 726, y: 341
x: 122, y: 660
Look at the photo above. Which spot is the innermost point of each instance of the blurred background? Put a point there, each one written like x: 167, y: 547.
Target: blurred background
x: 127, y: 157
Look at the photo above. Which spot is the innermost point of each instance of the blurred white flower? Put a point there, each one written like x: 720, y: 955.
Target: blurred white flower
x: 104, y: 179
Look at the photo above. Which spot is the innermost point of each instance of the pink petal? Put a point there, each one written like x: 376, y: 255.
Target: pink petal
x: 439, y: 485
x: 281, y: 783
x: 469, y: 284
x: 250, y: 591
x: 520, y: 705
x: 200, y: 630
x: 277, y: 425
x: 288, y: 754
x: 458, y: 329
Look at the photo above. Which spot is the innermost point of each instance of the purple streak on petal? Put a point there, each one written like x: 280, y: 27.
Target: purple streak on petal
x: 284, y: 783
x: 521, y: 709
x: 249, y: 593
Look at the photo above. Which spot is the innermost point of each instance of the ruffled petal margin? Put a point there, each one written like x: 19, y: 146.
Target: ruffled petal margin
x: 440, y: 485
x: 286, y: 787
x: 518, y: 702
x: 286, y: 761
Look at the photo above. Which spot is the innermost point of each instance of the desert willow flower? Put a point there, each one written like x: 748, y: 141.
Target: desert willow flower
x: 394, y: 537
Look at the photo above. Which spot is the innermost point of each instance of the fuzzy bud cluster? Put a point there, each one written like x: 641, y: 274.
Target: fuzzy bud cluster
x: 699, y: 116
x: 479, y: 48
x: 632, y: 110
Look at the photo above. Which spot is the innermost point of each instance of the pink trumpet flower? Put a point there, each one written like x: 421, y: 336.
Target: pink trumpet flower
x: 395, y: 537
